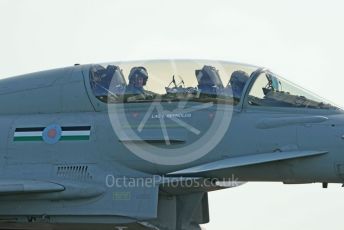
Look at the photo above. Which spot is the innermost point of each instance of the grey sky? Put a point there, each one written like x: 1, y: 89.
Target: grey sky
x: 300, y: 40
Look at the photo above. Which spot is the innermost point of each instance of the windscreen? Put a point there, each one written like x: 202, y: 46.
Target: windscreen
x: 272, y: 90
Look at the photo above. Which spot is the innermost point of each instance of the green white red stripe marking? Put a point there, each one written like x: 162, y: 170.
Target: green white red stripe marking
x: 69, y: 133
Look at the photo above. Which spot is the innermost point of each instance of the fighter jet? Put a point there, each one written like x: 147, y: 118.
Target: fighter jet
x: 139, y: 145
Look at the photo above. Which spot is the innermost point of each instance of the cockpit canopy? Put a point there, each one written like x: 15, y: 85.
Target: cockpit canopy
x: 198, y: 81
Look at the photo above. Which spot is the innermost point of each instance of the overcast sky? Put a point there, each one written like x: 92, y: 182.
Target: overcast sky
x: 300, y: 40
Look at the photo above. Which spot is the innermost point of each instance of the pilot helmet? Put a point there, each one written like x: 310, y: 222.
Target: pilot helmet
x: 239, y: 78
x: 136, y: 73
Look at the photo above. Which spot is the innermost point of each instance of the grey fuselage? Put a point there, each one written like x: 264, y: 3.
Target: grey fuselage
x: 63, y: 97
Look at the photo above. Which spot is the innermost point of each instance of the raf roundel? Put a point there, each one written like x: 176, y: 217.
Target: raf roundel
x: 52, y: 134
